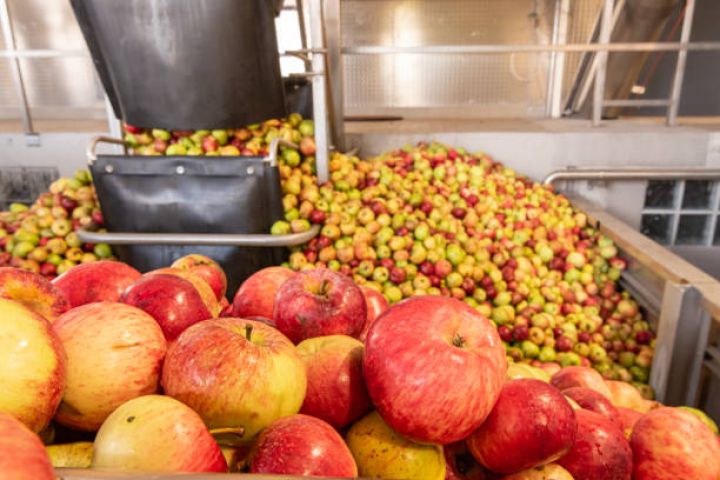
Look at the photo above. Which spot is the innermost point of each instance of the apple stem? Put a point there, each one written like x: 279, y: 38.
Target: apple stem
x: 324, y: 286
x: 458, y: 341
x: 237, y: 431
x: 248, y: 331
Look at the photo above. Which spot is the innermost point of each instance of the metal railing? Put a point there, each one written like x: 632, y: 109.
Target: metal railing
x: 633, y: 174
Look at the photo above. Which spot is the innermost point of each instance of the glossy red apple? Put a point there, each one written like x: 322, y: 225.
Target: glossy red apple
x: 34, y: 291
x: 22, y: 453
x: 671, y: 443
x: 256, y: 296
x: 461, y: 465
x: 376, y: 305
x: 172, y: 301
x: 102, y: 281
x: 600, y: 452
x: 429, y: 358
x: 319, y: 302
x: 570, y: 377
x: 207, y: 269
x: 530, y: 424
x: 302, y: 445
x: 155, y: 433
x: 114, y: 354
x: 592, y: 400
x: 235, y: 373
x: 336, y: 391
x: 203, y: 288
x: 32, y: 366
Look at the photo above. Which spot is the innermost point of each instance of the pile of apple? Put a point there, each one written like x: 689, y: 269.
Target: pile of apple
x: 435, y: 220
x: 253, y: 140
x: 41, y: 238
x: 306, y: 373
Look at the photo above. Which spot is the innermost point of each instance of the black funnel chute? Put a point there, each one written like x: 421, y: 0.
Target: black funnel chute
x: 186, y: 64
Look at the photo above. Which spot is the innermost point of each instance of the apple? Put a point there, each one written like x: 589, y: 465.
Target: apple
x: 34, y: 291
x: 431, y: 357
x: 550, y: 367
x: 702, y: 416
x: 71, y: 455
x: 551, y: 471
x: 171, y: 300
x: 207, y: 269
x: 155, y: 433
x: 570, y: 377
x: 530, y: 424
x: 302, y: 445
x: 376, y: 305
x: 523, y: 370
x: 22, y: 453
x: 102, y: 281
x: 336, y: 389
x: 600, y: 452
x: 461, y: 465
x: 592, y: 400
x: 33, y: 365
x: 623, y: 394
x: 628, y: 418
x: 256, y: 295
x: 206, y: 292
x: 381, y: 452
x: 671, y: 443
x: 319, y: 302
x: 114, y: 353
x: 235, y: 373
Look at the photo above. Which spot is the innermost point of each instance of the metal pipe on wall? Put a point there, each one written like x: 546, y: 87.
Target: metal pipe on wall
x: 19, y: 84
x: 680, y: 65
x: 634, y: 174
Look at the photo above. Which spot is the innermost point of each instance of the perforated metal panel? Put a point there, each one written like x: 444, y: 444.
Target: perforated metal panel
x: 24, y: 184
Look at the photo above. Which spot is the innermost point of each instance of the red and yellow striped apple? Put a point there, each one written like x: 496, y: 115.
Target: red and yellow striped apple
x: 336, y: 389
x: 34, y: 291
x: 235, y: 373
x: 114, y: 354
x: 302, y: 445
x: 434, y: 368
x: 32, y: 376
x: 256, y: 296
x: 102, y: 281
x: 207, y: 269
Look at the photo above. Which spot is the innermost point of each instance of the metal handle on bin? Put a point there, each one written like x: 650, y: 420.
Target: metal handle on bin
x: 227, y: 239
x: 92, y: 146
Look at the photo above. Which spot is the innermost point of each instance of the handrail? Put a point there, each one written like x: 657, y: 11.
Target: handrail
x: 216, y: 239
x: 633, y: 174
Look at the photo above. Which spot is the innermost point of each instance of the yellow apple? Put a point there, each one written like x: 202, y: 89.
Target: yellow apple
x: 380, y: 452
x: 551, y: 471
x: 32, y: 376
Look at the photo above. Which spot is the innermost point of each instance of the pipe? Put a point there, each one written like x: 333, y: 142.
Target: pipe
x: 233, y: 239
x: 634, y: 174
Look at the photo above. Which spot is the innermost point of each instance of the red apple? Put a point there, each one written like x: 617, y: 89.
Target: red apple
x: 171, y: 300
x: 628, y: 418
x: 235, y: 373
x: 430, y: 358
x: 22, y: 453
x: 570, y: 377
x: 256, y: 296
x: 336, y: 389
x: 461, y: 465
x: 530, y: 424
x: 32, y: 376
x: 550, y: 367
x: 114, y: 353
x: 376, y: 305
x: 207, y: 269
x: 102, y: 281
x: 671, y: 443
x: 319, y: 302
x: 302, y: 445
x: 203, y: 288
x: 592, y: 400
x: 155, y: 433
x: 34, y: 291
x: 600, y: 451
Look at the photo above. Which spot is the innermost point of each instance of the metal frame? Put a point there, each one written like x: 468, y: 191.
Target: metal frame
x: 9, y: 38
